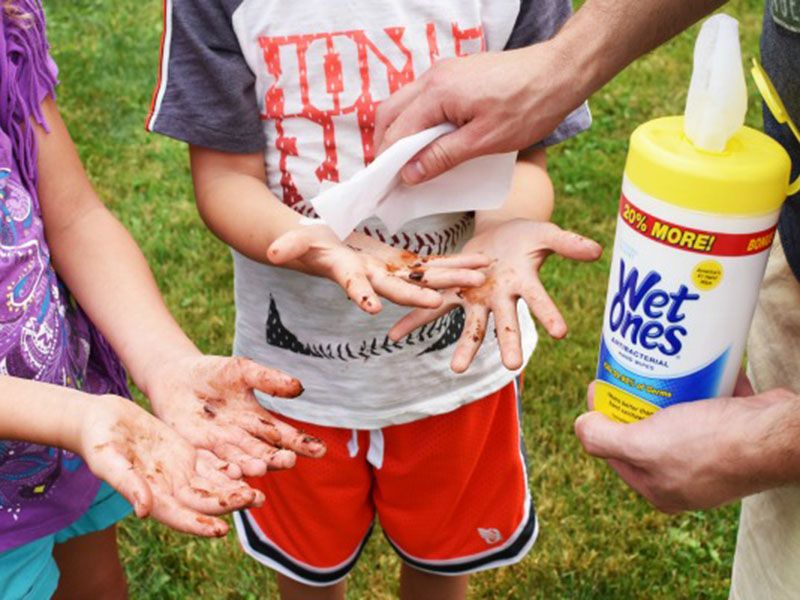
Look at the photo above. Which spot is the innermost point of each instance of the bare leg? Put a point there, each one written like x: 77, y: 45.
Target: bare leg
x: 292, y: 590
x: 90, y: 568
x: 418, y: 585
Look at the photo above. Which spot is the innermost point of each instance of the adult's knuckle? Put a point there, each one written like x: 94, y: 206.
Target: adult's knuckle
x: 439, y: 155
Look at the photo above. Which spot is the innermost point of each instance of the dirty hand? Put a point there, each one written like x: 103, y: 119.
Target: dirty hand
x: 699, y: 455
x: 209, y: 400
x: 366, y: 268
x: 518, y: 249
x: 157, y: 471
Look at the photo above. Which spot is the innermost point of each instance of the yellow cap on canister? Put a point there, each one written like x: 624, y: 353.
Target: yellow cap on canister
x: 750, y: 177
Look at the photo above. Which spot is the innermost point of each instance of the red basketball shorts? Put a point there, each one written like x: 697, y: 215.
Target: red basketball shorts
x: 450, y: 491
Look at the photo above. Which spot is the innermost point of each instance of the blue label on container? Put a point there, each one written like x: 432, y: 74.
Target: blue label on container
x: 662, y: 391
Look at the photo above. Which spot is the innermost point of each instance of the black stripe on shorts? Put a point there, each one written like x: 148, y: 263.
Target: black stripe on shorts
x: 510, y: 552
x: 318, y: 577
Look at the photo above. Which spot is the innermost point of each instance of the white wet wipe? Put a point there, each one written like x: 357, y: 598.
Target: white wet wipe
x: 482, y: 183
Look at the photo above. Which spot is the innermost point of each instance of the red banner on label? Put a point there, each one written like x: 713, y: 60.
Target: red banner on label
x: 694, y: 240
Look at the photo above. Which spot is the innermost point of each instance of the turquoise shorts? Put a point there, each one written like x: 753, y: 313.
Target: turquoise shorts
x: 30, y: 571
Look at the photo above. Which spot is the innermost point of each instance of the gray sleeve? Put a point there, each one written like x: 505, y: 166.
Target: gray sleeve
x: 538, y: 21
x: 205, y: 94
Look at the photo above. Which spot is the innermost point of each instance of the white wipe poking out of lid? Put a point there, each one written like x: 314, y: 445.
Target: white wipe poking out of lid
x: 717, y: 100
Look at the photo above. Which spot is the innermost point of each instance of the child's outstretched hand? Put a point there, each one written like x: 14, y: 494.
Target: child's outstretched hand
x: 159, y: 472
x: 209, y: 400
x: 518, y: 248
x: 366, y: 268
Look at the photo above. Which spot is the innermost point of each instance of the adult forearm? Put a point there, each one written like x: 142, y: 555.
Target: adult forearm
x: 605, y: 36
x: 698, y: 455
x: 771, y: 453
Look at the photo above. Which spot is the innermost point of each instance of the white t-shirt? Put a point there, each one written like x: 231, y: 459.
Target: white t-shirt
x: 301, y: 81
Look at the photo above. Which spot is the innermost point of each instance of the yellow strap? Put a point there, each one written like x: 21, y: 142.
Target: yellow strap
x: 794, y: 187
x: 776, y: 107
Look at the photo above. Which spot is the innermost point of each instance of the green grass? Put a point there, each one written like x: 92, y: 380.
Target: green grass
x: 598, y: 540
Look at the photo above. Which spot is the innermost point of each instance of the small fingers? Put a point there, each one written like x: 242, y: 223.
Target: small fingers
x: 459, y: 261
x: 215, y: 464
x: 208, y: 463
x: 359, y: 289
x: 508, y: 333
x: 171, y: 513
x: 274, y: 456
x: 269, y: 381
x: 291, y: 245
x: 108, y: 464
x: 572, y: 245
x: 217, y: 497
x: 471, y: 338
x: 444, y: 277
x: 250, y: 466
x: 205, y: 466
x: 402, y: 292
x: 277, y: 433
x: 415, y: 319
x: 545, y: 310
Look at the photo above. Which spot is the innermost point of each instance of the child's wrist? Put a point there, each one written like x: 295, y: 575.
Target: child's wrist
x: 147, y: 361
x: 72, y: 413
x: 158, y: 366
x: 487, y: 222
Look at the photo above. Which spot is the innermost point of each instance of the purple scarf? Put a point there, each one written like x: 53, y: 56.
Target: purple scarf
x: 44, y: 335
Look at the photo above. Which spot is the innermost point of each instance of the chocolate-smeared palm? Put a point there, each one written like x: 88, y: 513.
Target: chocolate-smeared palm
x: 210, y: 401
x: 518, y: 249
x: 159, y: 472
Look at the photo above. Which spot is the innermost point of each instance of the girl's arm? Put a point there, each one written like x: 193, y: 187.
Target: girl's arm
x: 41, y: 413
x: 518, y: 237
x: 157, y: 471
x: 107, y: 273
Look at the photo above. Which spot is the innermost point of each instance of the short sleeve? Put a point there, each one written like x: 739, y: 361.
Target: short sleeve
x: 205, y: 93
x: 538, y: 21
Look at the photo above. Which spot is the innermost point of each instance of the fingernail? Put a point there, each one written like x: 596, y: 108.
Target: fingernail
x: 413, y: 172
x: 138, y: 508
x: 315, y: 445
x: 296, y: 387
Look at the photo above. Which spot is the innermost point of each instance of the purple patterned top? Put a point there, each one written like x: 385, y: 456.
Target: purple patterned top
x: 44, y: 335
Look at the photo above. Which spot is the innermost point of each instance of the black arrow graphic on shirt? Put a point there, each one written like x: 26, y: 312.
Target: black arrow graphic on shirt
x: 445, y: 331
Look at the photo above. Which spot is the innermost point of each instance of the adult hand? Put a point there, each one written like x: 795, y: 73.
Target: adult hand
x: 209, y: 400
x: 500, y: 101
x: 518, y: 249
x: 157, y: 471
x: 699, y: 455
x: 366, y: 268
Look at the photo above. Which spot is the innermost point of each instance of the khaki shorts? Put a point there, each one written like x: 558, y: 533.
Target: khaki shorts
x: 767, y: 561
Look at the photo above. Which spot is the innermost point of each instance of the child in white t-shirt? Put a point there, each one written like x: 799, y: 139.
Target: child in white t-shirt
x: 277, y: 100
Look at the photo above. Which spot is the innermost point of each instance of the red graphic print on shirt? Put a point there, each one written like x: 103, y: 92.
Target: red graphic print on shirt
x: 321, y: 91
